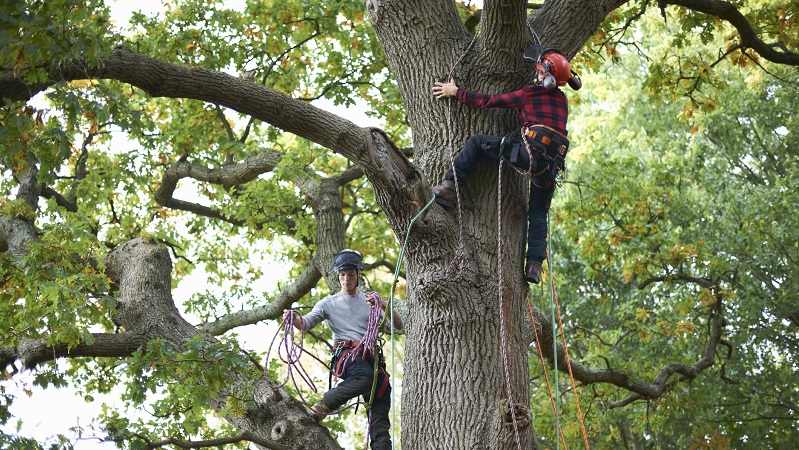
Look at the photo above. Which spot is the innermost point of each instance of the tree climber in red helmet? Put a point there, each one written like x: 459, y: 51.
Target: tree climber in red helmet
x: 543, y: 110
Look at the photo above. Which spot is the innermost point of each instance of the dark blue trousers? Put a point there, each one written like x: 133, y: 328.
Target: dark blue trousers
x: 357, y: 380
x: 485, y: 147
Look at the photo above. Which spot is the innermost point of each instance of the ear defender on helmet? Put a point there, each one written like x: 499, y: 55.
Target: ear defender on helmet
x: 575, y: 82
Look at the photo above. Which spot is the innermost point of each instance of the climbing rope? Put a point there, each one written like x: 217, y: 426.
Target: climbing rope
x: 391, y: 304
x: 289, y: 351
x: 502, y: 329
x: 566, y: 352
x: 460, y: 252
x: 544, y: 370
x: 554, y: 334
x: 368, y: 343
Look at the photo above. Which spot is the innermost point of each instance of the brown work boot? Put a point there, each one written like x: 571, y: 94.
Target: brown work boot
x: 318, y: 411
x: 445, y: 193
x: 533, y: 272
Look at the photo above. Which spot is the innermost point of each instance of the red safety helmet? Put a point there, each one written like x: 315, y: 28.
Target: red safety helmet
x: 553, y: 65
x: 556, y: 65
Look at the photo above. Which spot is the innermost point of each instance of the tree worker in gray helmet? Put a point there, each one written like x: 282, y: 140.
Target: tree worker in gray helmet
x: 539, y: 148
x: 347, y: 313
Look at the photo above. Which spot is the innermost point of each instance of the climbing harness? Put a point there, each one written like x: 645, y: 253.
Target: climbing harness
x: 290, y: 350
x: 552, y: 158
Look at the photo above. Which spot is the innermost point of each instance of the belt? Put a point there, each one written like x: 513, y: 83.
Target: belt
x: 345, y: 344
x: 551, y: 138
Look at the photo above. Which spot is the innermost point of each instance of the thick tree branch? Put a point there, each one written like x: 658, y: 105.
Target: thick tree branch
x: 218, y: 442
x: 288, y: 295
x: 640, y: 389
x: 162, y: 79
x: 32, y: 352
x: 679, y: 277
x: 749, y: 38
x: 229, y: 175
x: 349, y: 175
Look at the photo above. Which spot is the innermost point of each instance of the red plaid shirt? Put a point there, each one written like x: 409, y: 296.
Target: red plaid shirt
x: 537, y: 105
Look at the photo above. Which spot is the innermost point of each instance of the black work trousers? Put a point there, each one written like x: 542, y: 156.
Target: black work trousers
x: 485, y: 147
x: 357, y: 380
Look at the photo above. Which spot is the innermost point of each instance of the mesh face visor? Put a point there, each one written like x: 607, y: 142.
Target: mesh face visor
x: 535, y: 52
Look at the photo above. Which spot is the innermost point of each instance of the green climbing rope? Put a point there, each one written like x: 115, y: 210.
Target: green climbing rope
x: 391, y: 314
x: 554, y: 333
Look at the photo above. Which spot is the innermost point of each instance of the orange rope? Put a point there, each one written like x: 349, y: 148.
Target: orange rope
x: 566, y: 351
x: 544, y: 368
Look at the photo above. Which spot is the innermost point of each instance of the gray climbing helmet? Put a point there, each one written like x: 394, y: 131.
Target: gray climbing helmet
x: 347, y: 259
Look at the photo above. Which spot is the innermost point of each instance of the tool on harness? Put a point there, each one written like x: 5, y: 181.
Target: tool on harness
x: 547, y: 156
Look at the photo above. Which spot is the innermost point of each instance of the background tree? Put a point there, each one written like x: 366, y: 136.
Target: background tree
x: 669, y: 227
x: 663, y: 283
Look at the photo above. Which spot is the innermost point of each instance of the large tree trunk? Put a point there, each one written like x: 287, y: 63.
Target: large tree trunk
x: 459, y: 371
x: 454, y: 391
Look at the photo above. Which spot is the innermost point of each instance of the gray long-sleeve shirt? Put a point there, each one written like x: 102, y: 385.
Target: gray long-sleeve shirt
x: 347, y: 316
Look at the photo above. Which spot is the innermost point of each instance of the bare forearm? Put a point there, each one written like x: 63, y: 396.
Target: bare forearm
x: 396, y: 320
